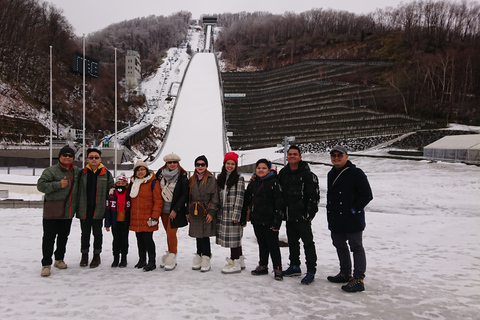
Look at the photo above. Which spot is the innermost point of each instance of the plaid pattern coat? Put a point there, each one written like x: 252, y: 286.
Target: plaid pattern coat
x: 230, y: 233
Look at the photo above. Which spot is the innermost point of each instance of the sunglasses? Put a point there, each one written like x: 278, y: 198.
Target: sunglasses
x: 200, y: 164
x: 93, y: 158
x: 67, y: 155
x: 336, y: 155
x: 172, y: 162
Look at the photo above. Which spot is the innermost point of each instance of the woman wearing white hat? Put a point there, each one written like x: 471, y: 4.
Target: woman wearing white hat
x: 174, y: 182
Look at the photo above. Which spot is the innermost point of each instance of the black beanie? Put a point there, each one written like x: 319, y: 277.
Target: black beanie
x: 66, y: 149
x: 263, y: 160
x: 203, y: 158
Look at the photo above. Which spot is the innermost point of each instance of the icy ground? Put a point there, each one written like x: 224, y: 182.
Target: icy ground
x: 422, y: 243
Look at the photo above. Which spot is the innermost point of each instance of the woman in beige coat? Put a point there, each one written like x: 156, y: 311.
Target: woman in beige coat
x: 203, y: 202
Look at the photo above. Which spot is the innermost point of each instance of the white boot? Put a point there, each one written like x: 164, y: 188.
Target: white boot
x: 164, y: 257
x: 233, y: 266
x: 205, y: 265
x: 170, y: 262
x: 197, y: 260
x: 242, y: 262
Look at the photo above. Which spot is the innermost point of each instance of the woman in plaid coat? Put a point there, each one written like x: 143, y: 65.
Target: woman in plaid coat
x: 229, y: 227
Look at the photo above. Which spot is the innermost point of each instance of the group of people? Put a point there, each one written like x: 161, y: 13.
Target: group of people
x: 210, y: 206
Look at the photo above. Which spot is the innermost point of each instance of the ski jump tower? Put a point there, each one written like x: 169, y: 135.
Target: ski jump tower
x: 208, y: 24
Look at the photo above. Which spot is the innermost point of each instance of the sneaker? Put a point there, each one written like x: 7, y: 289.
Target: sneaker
x: 45, y: 271
x: 259, y: 270
x: 60, y: 264
x: 278, y: 274
x: 205, y: 264
x: 309, y: 278
x: 197, y: 261
x: 292, y: 271
x: 170, y: 262
x: 340, y: 278
x: 354, y: 285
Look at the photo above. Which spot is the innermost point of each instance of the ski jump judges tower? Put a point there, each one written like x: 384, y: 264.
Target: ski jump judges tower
x: 208, y: 24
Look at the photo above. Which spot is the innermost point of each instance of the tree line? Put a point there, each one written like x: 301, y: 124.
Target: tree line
x: 434, y: 44
x: 30, y: 27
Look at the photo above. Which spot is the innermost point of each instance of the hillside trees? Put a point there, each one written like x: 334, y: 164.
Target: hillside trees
x: 433, y: 45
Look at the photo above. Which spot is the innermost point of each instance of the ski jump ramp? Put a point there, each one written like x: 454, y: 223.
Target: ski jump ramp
x: 197, y: 127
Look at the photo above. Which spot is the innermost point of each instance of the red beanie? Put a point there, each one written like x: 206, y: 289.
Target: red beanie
x: 231, y: 156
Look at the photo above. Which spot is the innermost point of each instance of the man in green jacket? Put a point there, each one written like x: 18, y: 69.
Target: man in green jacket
x: 94, y: 184
x: 58, y: 182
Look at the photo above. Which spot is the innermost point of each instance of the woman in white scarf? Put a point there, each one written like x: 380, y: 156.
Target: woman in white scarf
x: 174, y: 182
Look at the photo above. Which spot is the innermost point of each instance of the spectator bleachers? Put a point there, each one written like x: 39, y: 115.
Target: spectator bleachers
x: 311, y: 100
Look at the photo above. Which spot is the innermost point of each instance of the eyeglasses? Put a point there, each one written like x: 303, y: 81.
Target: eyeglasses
x: 336, y: 155
x: 172, y: 162
x: 67, y: 155
x: 93, y: 158
x: 142, y: 169
x: 200, y: 164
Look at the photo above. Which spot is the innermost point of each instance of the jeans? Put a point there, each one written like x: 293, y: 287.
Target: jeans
x: 355, y: 243
x: 297, y: 230
x: 95, y: 226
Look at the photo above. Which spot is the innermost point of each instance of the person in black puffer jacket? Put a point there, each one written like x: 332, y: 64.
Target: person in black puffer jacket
x: 264, y: 197
x: 300, y: 195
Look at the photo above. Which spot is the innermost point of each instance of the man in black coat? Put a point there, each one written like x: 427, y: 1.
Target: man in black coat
x: 300, y: 195
x: 347, y: 195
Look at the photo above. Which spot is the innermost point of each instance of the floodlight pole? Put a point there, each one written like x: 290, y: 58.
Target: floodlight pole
x: 51, y: 107
x: 116, y: 137
x: 83, y: 142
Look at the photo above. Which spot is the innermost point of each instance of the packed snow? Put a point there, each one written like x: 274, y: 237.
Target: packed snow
x: 422, y: 243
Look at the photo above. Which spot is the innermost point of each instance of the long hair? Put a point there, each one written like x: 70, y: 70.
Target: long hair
x: 191, y: 181
x: 232, y: 179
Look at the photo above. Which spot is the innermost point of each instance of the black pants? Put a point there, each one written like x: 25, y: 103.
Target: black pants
x: 203, y: 247
x: 355, y: 242
x: 59, y: 229
x: 120, y: 238
x: 268, y: 245
x: 95, y: 226
x: 146, y: 245
x: 297, y: 230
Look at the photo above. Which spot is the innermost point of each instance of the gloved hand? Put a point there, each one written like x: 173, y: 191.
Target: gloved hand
x: 152, y: 222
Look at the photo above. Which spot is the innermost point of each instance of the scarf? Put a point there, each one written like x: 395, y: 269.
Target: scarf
x: 137, y: 182
x: 200, y: 176
x: 169, y: 181
x: 120, y: 205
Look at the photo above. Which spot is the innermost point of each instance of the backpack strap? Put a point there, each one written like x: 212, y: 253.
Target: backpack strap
x: 153, y: 184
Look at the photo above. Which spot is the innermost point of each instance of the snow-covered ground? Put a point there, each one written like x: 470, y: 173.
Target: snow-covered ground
x: 422, y: 242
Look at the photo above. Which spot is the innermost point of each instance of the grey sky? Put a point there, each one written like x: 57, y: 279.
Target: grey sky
x: 92, y: 15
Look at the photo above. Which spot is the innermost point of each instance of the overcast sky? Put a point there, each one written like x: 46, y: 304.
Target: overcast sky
x: 92, y: 15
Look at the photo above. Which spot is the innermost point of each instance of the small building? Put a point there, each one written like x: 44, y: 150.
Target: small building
x: 133, y: 69
x: 461, y: 148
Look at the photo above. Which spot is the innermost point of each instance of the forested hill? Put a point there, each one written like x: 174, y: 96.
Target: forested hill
x: 434, y: 45
x: 30, y: 27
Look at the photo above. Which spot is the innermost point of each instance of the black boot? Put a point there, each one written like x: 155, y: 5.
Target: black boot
x: 116, y: 259
x: 84, y: 260
x: 95, y: 261
x: 123, y: 262
x: 142, y: 262
x: 151, y: 262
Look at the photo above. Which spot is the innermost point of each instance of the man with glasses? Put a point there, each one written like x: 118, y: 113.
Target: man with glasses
x: 58, y: 182
x: 95, y: 182
x: 347, y: 195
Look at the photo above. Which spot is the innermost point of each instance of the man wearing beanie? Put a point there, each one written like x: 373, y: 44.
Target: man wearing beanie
x: 301, y: 195
x: 94, y: 184
x: 58, y: 182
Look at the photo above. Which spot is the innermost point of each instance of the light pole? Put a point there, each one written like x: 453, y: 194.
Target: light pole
x: 115, y: 142
x: 51, y: 109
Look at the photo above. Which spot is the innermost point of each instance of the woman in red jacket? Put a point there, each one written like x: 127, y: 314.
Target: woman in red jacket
x: 147, y: 205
